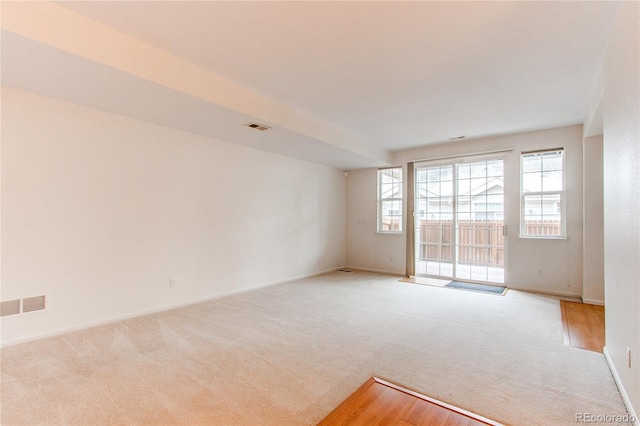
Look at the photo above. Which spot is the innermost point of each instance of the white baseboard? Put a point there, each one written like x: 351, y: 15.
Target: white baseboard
x: 544, y: 291
x: 142, y: 313
x: 593, y: 301
x: 623, y: 393
x: 377, y: 271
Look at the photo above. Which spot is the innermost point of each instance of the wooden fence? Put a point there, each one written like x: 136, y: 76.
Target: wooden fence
x: 391, y: 224
x: 545, y: 227
x: 479, y: 242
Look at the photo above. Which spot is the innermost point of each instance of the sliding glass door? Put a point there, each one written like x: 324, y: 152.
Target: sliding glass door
x: 434, y: 221
x: 459, y: 220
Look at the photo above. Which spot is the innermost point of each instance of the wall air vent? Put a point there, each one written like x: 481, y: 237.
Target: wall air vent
x: 30, y: 304
x: 10, y: 307
x: 258, y: 126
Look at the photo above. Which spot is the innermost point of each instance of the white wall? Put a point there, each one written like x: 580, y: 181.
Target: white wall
x: 560, y: 260
x: 89, y: 58
x: 366, y: 249
x: 593, y: 213
x: 621, y: 132
x: 101, y: 211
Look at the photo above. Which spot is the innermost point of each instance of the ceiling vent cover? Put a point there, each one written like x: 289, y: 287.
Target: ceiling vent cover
x: 258, y: 126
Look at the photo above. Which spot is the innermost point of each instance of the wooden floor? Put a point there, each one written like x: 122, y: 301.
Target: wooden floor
x: 583, y: 325
x: 378, y: 402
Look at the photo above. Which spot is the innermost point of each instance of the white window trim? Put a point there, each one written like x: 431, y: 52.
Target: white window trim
x: 562, y: 193
x: 379, y: 229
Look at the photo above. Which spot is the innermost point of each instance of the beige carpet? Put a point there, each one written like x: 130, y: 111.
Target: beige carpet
x: 289, y: 354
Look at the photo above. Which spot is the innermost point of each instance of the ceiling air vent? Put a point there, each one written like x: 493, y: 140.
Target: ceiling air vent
x: 457, y: 138
x: 258, y: 126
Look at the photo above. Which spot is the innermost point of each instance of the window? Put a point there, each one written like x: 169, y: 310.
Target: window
x: 390, y: 199
x: 542, y: 211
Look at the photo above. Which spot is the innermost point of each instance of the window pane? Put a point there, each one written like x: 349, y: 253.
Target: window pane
x: 551, y: 207
x: 495, y: 168
x: 531, y: 163
x: 464, y: 171
x: 434, y: 174
x: 552, y: 161
x: 495, y: 199
x: 531, y: 182
x: 532, y: 208
x: 478, y: 185
x: 446, y: 235
x: 552, y: 181
x: 478, y: 169
x: 391, y: 175
x: 433, y: 189
x: 464, y: 203
x: 446, y: 173
x: 391, y: 208
x: 446, y: 188
x: 397, y: 190
x: 495, y: 186
x: 385, y: 178
x: 390, y: 199
x: 437, y: 174
x: 386, y: 190
x: 543, y: 213
x: 464, y: 186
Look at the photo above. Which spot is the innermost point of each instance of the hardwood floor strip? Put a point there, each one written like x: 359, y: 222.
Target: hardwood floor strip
x: 378, y: 402
x: 397, y: 410
x: 422, y: 413
x: 375, y: 412
x: 352, y: 406
x: 451, y: 408
x: 583, y: 325
x: 565, y: 324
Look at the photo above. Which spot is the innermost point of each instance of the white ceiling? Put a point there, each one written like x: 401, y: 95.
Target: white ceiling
x: 121, y: 93
x: 397, y: 74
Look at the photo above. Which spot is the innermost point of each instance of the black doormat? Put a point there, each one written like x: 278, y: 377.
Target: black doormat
x: 478, y: 287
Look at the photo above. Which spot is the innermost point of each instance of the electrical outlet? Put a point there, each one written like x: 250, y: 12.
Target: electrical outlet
x: 172, y: 283
x: 540, y: 272
x: 628, y: 357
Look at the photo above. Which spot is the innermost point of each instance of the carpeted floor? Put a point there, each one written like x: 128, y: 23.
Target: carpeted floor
x: 289, y: 354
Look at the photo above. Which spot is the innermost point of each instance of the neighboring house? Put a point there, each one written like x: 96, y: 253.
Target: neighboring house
x: 484, y: 202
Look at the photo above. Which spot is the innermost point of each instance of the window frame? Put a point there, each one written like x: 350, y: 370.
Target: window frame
x: 561, y: 193
x: 380, y: 200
